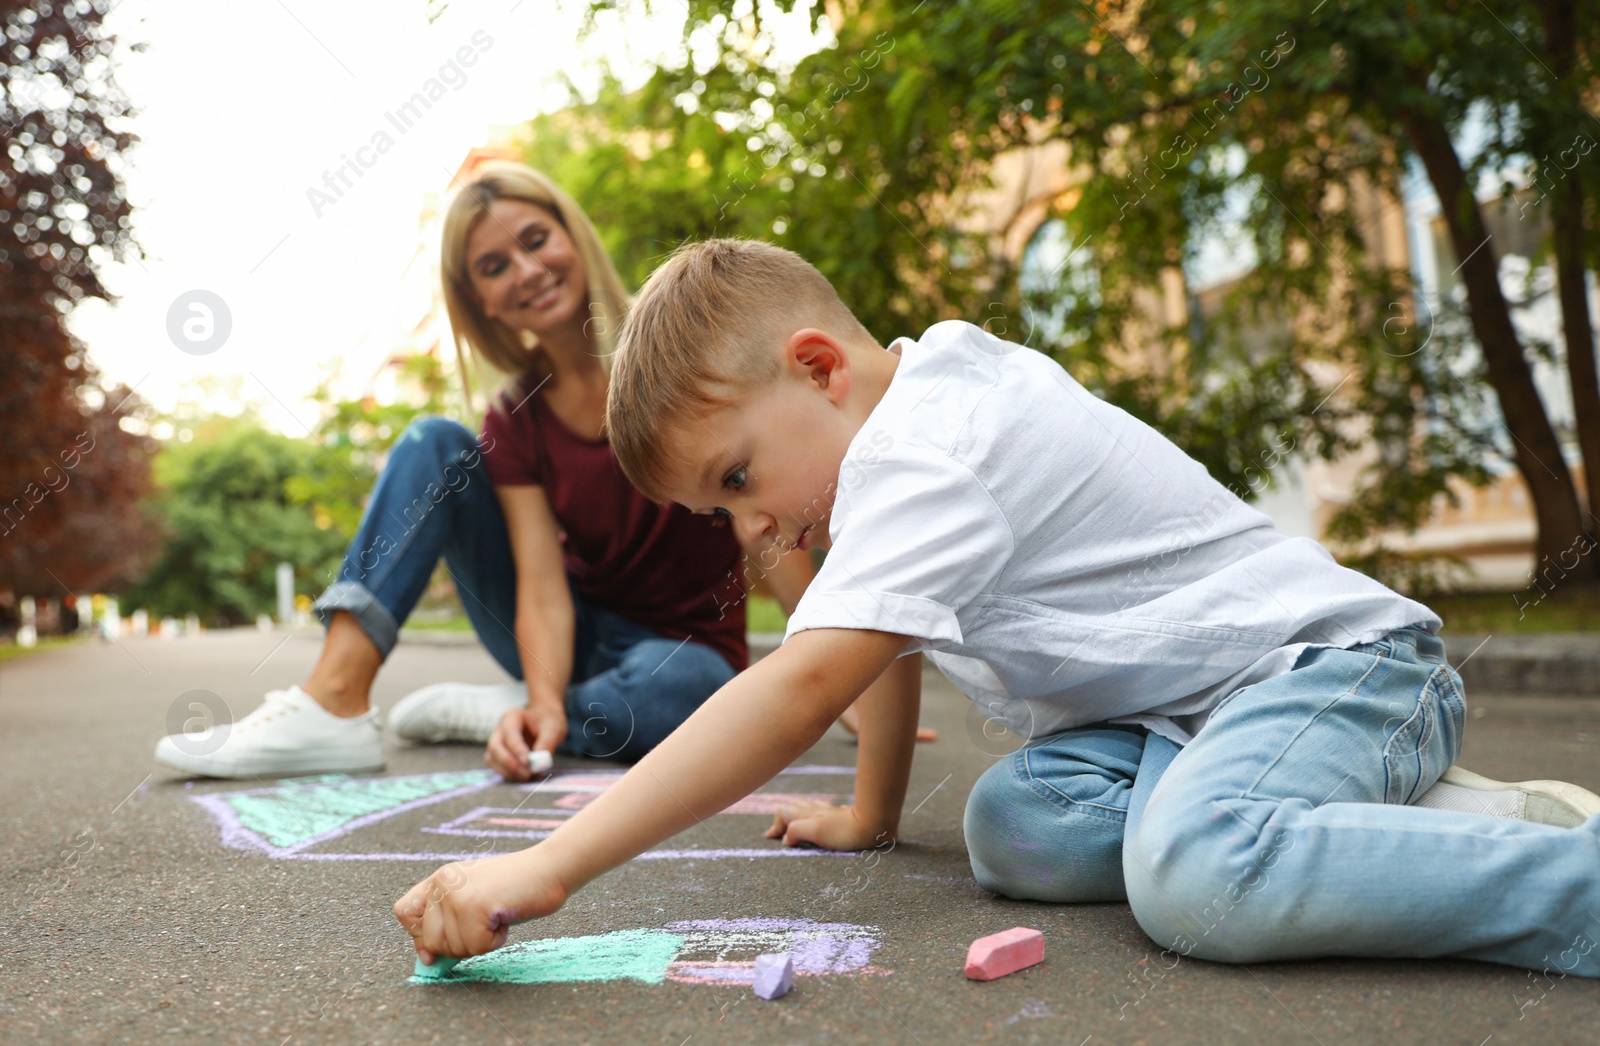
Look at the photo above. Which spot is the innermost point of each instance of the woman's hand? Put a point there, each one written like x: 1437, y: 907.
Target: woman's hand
x: 466, y: 908
x: 542, y: 725
x: 823, y: 824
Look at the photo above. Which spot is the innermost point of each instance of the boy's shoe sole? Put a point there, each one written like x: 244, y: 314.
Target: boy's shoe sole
x: 1542, y: 802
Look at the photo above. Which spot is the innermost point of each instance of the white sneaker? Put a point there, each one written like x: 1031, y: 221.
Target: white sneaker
x: 1542, y: 802
x: 455, y: 711
x: 289, y: 734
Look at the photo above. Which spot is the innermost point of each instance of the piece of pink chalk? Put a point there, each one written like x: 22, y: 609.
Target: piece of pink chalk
x: 1001, y: 953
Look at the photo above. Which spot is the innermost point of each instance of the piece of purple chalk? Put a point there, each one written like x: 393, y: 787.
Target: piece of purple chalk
x: 774, y: 975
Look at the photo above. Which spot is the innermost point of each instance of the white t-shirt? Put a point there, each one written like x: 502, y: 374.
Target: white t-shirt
x: 1062, y: 562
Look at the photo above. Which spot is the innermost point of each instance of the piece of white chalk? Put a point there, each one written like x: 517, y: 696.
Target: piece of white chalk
x: 540, y: 762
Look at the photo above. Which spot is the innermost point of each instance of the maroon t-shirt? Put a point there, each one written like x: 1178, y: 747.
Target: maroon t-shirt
x: 660, y: 566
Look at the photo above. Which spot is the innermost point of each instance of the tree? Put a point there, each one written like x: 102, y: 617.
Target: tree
x: 1180, y: 119
x: 229, y: 518
x: 70, y: 475
x: 355, y: 435
x: 235, y: 500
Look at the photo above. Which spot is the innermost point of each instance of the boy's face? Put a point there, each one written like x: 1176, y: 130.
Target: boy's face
x: 770, y: 463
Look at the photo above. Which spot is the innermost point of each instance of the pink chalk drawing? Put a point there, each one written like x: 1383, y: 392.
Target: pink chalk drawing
x: 757, y: 803
x: 297, y: 819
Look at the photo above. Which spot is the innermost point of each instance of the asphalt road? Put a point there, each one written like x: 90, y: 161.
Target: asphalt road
x: 131, y: 915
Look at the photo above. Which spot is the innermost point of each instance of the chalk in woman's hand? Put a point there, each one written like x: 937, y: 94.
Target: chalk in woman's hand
x: 540, y: 762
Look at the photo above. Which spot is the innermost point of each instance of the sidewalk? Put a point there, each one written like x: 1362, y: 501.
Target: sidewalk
x: 136, y: 914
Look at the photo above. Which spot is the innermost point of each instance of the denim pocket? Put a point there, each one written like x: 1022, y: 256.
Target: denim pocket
x: 1403, y: 753
x: 1424, y: 745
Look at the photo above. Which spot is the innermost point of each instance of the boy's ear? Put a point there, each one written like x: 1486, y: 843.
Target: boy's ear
x: 821, y: 358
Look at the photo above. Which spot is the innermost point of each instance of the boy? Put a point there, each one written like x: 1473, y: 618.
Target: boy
x: 1090, y: 586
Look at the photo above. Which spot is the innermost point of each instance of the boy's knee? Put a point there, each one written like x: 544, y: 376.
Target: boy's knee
x: 1023, y: 846
x: 1199, y: 894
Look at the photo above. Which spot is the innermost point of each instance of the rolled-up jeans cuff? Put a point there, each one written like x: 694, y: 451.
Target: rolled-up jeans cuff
x: 373, y: 617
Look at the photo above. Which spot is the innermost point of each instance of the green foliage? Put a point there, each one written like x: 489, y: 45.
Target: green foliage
x: 355, y: 436
x: 1183, y: 120
x: 763, y: 614
x: 230, y: 519
x: 238, y: 499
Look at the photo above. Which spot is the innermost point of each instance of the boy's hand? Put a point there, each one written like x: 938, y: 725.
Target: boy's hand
x: 465, y: 908
x: 541, y: 725
x: 825, y: 825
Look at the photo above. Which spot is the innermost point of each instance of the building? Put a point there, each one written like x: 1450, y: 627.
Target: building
x: 1492, y: 528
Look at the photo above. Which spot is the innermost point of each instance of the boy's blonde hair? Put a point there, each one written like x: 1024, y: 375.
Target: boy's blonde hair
x: 704, y: 331
x: 501, y: 353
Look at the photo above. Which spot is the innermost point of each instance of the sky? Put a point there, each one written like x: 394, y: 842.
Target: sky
x: 246, y: 113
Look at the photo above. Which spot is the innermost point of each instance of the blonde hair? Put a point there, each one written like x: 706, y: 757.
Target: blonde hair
x: 704, y: 331
x: 503, y: 354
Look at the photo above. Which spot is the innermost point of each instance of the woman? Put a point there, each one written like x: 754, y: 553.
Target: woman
x: 618, y: 616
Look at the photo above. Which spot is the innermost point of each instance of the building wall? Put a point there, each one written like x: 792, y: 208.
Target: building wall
x: 1491, y: 529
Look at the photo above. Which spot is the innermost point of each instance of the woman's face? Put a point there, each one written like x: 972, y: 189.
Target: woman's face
x: 525, y: 268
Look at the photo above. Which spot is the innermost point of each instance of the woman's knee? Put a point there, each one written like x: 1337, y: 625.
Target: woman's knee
x: 677, y: 674
x: 654, y: 688
x: 1031, y: 843
x: 435, y: 435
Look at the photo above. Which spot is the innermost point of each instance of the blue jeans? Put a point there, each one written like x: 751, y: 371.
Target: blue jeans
x: 630, y: 686
x: 1281, y: 830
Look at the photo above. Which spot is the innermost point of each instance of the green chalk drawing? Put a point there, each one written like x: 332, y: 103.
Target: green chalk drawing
x: 288, y: 816
x: 442, y: 965
x: 638, y: 955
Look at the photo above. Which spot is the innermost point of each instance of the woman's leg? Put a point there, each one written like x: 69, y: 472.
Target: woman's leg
x: 1281, y: 832
x: 1046, y: 822
x: 432, y: 499
x: 341, y: 681
x: 433, y: 487
x: 632, y: 687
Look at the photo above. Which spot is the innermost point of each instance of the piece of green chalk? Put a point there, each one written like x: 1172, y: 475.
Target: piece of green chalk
x: 441, y: 968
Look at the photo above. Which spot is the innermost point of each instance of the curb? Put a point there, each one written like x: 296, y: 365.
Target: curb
x: 1560, y: 664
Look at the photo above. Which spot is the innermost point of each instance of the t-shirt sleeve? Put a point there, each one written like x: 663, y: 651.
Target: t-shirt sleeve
x: 509, y: 451
x: 920, y: 537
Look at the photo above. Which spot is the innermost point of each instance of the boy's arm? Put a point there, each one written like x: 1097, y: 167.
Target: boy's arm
x: 786, y: 581
x: 739, y: 739
x: 888, y: 712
